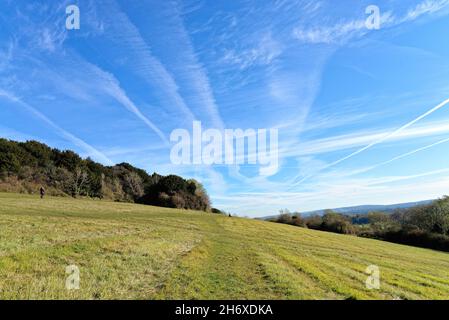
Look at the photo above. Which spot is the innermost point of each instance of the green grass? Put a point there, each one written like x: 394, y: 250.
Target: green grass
x: 128, y: 251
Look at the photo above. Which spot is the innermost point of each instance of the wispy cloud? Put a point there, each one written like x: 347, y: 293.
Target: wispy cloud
x: 330, y: 34
x: 145, y: 64
x: 341, y: 32
x: 49, y: 40
x: 388, y: 136
x: 90, y: 150
x: 6, y: 55
x: 111, y: 85
x: 402, y: 156
x: 392, y: 134
x: 192, y: 68
x: 341, y: 193
x: 426, y: 7
x: 338, y: 33
x: 83, y: 81
x: 48, y: 34
x: 386, y: 180
x: 266, y: 50
x: 69, y: 75
x: 358, y: 139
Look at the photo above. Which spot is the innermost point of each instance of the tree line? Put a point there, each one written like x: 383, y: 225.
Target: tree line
x: 25, y: 166
x: 422, y: 226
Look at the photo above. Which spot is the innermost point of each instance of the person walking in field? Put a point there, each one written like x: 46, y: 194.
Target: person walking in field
x: 42, y: 192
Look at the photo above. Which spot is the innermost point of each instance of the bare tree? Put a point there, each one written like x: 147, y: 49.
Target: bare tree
x: 134, y: 184
x: 80, y: 180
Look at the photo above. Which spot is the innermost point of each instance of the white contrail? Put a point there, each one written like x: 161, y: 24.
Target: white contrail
x: 61, y: 132
x: 193, y: 69
x: 376, y: 142
x: 397, y: 179
x: 116, y: 91
x: 146, y: 64
x: 402, y: 156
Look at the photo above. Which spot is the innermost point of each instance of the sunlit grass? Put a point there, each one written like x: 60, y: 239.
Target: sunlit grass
x: 128, y: 251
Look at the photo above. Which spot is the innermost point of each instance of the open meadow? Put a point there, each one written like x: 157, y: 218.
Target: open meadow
x: 129, y: 251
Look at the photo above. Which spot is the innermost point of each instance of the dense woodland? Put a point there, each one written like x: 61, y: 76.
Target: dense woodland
x: 26, y: 166
x: 423, y: 226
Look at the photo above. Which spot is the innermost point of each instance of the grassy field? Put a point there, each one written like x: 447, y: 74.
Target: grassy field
x: 127, y: 251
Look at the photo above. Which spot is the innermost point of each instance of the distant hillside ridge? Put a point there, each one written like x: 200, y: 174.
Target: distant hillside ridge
x: 363, y: 209
x: 26, y: 166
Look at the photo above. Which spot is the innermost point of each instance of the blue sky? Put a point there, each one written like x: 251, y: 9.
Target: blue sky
x: 358, y: 111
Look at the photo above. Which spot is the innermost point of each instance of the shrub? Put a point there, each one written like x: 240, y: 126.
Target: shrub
x: 314, y: 222
x: 337, y: 223
x: 217, y: 211
x: 298, y: 221
x: 284, y: 218
x: 418, y: 238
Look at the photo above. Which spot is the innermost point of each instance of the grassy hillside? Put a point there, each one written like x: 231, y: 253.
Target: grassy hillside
x: 136, y: 251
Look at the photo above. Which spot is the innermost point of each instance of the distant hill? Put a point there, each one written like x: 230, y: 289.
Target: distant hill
x: 363, y: 209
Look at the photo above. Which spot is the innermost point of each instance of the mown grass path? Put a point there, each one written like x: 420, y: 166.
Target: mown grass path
x: 127, y: 251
